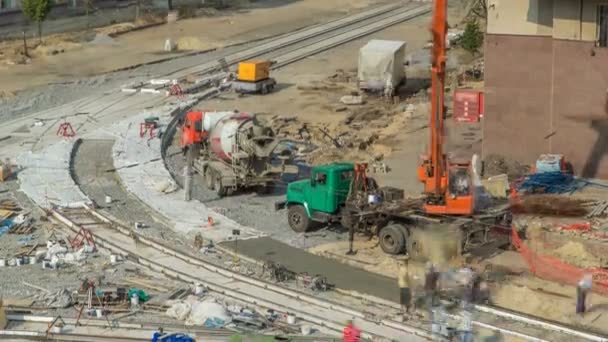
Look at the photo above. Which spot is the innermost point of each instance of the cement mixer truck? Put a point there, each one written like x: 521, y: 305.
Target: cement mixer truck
x: 232, y: 150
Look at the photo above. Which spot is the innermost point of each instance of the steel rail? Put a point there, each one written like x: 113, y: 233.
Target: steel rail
x: 342, y: 38
x: 301, y: 36
x: 381, y: 328
x: 244, y: 53
x: 315, y: 301
x: 505, y: 314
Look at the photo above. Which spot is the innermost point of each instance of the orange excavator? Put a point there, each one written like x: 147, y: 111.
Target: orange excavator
x: 447, y: 181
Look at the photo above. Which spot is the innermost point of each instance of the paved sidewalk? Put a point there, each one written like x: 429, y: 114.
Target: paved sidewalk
x: 140, y: 166
x: 45, y: 176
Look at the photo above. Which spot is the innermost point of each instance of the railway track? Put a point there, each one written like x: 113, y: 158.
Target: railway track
x: 318, y: 311
x: 286, y: 48
x: 93, y: 330
x: 329, y: 34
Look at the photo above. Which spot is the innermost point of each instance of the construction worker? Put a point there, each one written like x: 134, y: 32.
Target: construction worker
x: 431, y: 279
x: 466, y: 326
x: 405, y: 293
x: 134, y: 237
x: 469, y: 282
x: 583, y: 286
x: 351, y: 333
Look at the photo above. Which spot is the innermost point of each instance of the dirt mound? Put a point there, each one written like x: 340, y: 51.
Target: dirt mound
x: 52, y: 47
x: 330, y: 155
x: 6, y: 95
x: 316, y: 86
x: 549, y: 205
x: 495, y: 165
x: 575, y: 253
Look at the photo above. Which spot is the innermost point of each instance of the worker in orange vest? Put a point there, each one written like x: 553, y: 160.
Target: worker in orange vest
x: 351, y: 333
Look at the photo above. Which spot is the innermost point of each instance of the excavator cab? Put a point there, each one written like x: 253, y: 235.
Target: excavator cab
x: 455, y: 192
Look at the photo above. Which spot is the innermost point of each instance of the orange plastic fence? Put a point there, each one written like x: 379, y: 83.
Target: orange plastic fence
x: 554, y: 269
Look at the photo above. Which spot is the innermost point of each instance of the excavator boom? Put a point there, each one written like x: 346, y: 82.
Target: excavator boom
x: 447, y: 186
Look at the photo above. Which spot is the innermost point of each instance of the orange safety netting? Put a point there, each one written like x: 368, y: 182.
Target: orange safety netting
x: 554, y: 269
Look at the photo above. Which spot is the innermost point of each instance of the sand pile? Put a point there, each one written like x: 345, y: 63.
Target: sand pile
x: 191, y: 43
x: 575, y: 253
x: 525, y: 300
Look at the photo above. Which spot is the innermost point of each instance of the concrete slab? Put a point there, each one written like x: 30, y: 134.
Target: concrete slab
x: 297, y: 260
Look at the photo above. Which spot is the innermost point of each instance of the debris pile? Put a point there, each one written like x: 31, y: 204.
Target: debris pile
x: 495, y: 165
x: 363, y: 136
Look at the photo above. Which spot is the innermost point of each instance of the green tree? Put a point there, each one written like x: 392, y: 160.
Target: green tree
x: 472, y: 37
x: 36, y: 10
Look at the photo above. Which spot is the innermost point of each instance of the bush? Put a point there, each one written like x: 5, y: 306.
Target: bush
x: 472, y: 38
x: 36, y: 10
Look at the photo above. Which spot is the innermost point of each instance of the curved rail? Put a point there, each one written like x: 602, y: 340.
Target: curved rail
x: 262, y: 292
x: 178, y: 265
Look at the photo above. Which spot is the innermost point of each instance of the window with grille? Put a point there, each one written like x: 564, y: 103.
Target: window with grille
x: 602, y: 21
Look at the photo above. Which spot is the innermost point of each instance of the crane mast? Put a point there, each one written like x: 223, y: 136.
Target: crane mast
x: 447, y: 184
x: 437, y: 162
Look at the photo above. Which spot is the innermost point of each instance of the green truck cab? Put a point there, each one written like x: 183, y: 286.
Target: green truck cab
x: 332, y: 194
x: 320, y: 198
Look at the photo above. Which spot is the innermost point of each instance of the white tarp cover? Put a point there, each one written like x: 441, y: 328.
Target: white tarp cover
x: 381, y: 62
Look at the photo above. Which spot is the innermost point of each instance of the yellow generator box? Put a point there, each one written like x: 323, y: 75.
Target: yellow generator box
x: 253, y: 71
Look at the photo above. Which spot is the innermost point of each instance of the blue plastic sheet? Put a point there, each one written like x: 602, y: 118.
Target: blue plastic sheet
x: 158, y: 337
x: 5, y: 226
x: 551, y: 183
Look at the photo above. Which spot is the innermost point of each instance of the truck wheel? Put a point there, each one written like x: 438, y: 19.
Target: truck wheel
x: 264, y: 90
x: 391, y: 239
x: 209, y: 179
x: 297, y: 218
x: 220, y: 189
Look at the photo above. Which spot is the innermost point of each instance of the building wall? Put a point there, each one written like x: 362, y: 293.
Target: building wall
x: 562, y: 19
x: 526, y: 17
x: 546, y: 95
x: 517, y: 86
x: 567, y: 19
x: 580, y: 120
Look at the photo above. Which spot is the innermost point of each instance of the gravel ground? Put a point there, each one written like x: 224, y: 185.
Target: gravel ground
x: 66, y: 277
x: 251, y: 209
x: 45, y: 97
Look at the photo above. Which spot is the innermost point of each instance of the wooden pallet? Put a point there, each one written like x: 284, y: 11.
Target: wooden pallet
x: 21, y: 229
